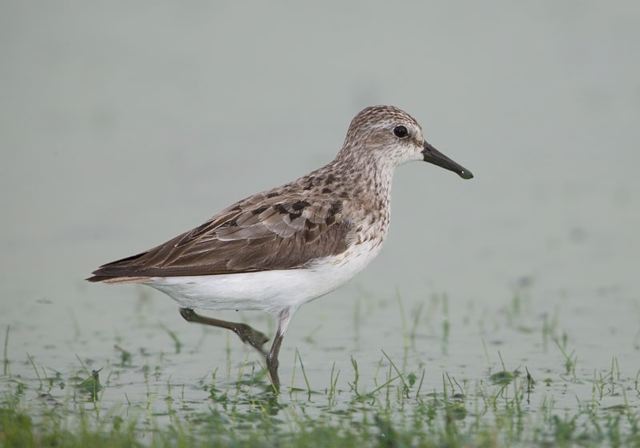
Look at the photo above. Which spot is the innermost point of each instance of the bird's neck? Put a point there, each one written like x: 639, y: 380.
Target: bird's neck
x: 369, y: 180
x: 371, y: 175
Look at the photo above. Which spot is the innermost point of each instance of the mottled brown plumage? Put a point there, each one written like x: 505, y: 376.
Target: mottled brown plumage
x: 315, y: 216
x: 256, y: 234
x: 278, y: 249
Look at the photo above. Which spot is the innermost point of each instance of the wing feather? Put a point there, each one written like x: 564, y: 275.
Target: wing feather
x: 254, y: 235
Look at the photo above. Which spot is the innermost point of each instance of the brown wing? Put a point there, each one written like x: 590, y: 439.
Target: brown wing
x: 252, y: 236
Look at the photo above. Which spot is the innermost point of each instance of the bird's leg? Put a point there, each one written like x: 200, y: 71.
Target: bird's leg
x: 248, y: 335
x: 272, y: 358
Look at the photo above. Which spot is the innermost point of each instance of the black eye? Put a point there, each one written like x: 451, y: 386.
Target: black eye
x: 400, y: 131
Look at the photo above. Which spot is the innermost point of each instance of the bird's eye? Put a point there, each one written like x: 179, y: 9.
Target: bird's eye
x: 400, y: 131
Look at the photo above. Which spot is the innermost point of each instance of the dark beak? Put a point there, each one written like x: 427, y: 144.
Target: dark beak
x: 432, y: 155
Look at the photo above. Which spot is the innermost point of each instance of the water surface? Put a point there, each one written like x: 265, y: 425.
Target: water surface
x: 121, y: 128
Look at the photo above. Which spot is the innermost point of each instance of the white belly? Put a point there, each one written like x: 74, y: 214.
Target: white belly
x: 270, y: 291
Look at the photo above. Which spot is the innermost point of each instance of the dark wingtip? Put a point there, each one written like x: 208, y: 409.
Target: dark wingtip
x: 114, y: 269
x: 96, y: 278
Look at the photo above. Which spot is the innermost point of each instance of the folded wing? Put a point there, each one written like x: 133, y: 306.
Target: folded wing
x: 264, y: 234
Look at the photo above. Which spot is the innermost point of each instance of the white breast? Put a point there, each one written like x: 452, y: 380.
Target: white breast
x: 269, y: 291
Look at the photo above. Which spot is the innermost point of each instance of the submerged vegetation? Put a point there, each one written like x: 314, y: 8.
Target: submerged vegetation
x: 136, y: 397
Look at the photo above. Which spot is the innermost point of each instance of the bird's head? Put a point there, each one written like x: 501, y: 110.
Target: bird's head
x: 391, y: 135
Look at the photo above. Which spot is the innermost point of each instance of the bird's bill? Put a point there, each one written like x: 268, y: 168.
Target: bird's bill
x: 432, y: 155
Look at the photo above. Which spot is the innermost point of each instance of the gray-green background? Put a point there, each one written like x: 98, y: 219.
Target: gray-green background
x: 125, y: 123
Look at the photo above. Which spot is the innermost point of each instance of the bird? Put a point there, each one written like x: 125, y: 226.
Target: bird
x: 283, y: 247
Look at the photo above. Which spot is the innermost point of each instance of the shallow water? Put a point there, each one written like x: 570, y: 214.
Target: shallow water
x: 120, y: 129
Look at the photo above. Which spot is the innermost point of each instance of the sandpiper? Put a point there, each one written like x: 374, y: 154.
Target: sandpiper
x: 283, y: 247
